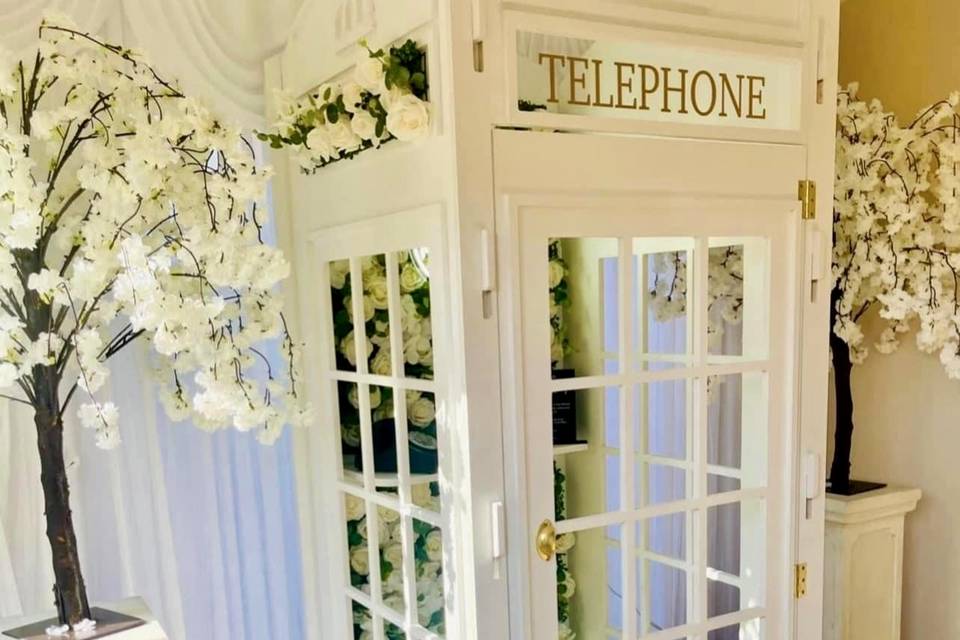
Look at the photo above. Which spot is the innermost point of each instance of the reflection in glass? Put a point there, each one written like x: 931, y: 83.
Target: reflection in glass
x: 585, y: 334
x: 593, y: 476
x: 595, y: 597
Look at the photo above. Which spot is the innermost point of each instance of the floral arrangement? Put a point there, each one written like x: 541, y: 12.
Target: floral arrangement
x: 385, y: 100
x: 422, y: 428
x: 129, y: 214
x: 896, y: 219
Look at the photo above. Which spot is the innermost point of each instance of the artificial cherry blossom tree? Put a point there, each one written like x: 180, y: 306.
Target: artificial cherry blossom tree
x: 896, y: 242
x: 128, y: 214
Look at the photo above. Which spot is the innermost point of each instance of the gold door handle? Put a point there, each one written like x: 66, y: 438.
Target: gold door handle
x: 546, y: 541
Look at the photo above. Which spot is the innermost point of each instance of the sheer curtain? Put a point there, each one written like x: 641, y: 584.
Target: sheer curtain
x: 203, y: 526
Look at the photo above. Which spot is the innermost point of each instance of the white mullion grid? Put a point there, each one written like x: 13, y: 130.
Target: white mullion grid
x: 607, y: 519
x: 415, y: 632
x: 413, y: 384
x: 403, y: 449
x: 700, y: 423
x: 382, y: 499
x: 700, y: 629
x: 628, y: 564
x: 643, y: 436
x: 638, y: 377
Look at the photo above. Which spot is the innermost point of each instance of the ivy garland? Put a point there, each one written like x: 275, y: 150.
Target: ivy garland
x: 386, y: 100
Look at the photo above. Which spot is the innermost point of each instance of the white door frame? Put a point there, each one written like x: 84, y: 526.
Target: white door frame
x: 549, y: 170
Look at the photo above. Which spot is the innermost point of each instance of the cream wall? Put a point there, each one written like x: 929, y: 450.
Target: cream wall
x: 907, y: 413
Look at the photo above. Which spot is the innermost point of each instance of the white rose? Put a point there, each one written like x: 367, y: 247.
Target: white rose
x: 365, y: 126
x: 360, y: 561
x: 318, y: 140
x: 420, y: 493
x: 342, y: 136
x: 556, y: 273
x: 565, y: 542
x: 352, y: 97
x: 388, y: 515
x: 380, y: 365
x: 409, y: 118
x: 434, y: 546
x: 376, y: 286
x: 418, y: 350
x: 369, y: 74
x: 421, y: 412
x: 355, y: 508
x: 348, y: 347
x: 389, y: 97
x: 410, y: 278
x: 394, y: 555
x: 339, y: 272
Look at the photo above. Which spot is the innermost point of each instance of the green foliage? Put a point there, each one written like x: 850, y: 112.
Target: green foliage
x: 405, y: 66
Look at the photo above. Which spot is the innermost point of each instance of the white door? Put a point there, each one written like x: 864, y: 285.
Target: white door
x: 652, y: 284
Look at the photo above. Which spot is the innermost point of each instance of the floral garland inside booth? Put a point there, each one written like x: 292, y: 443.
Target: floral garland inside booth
x: 385, y: 100
x: 422, y: 427
x: 559, y: 347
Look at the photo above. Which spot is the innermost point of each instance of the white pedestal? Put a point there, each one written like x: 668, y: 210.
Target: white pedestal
x: 130, y: 606
x: 863, y: 564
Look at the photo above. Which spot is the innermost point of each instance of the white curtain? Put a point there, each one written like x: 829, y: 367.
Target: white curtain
x: 202, y: 526
x: 216, y: 48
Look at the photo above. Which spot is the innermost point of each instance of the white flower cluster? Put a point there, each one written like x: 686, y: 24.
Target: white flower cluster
x: 384, y: 100
x: 128, y: 211
x: 897, y: 226
x: 668, y: 290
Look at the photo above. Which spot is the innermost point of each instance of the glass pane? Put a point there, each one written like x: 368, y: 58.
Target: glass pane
x: 584, y: 315
x: 344, y: 343
x: 393, y: 632
x: 428, y: 559
x: 415, y: 313
x: 348, y: 403
x: 664, y: 535
x: 667, y: 592
x: 661, y: 314
x: 384, y: 434
x: 376, y: 316
x: 391, y: 559
x: 355, y: 511
x: 593, y: 483
x: 362, y: 622
x: 737, y: 420
x: 659, y: 484
x: 661, y: 418
x: 738, y: 298
x: 750, y: 630
x: 423, y: 448
x: 736, y: 548
x: 590, y: 584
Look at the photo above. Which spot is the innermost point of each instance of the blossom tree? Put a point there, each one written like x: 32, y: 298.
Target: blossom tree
x: 896, y: 242
x: 128, y: 214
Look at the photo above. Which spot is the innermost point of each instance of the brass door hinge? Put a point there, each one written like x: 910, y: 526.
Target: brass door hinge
x: 800, y: 580
x: 807, y: 195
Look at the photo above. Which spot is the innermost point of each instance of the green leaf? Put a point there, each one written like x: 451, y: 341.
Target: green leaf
x: 333, y: 114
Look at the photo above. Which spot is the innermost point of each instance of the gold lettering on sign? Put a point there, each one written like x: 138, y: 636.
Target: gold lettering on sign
x: 639, y: 86
x: 578, y: 80
x: 553, y: 73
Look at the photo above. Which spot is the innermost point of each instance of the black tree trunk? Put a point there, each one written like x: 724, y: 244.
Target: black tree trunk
x: 71, y: 593
x: 843, y: 395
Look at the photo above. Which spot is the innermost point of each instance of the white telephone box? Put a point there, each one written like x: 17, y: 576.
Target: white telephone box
x: 587, y: 396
